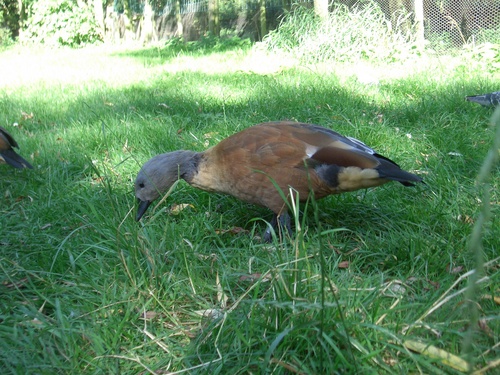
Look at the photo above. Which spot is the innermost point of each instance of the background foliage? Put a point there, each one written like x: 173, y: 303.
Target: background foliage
x: 447, y: 25
x: 61, y: 22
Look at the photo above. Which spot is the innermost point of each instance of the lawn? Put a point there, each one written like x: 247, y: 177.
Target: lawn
x: 191, y: 288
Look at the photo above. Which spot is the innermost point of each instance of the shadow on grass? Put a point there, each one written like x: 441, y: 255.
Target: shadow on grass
x: 205, y: 46
x: 195, y: 110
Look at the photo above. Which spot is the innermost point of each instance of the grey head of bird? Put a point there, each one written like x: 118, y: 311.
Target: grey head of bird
x: 159, y: 173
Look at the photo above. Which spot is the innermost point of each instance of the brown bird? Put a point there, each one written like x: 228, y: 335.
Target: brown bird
x: 7, y: 154
x: 253, y: 164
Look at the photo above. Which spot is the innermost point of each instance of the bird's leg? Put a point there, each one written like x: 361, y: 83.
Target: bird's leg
x: 285, y: 223
x: 267, y: 237
x: 279, y: 224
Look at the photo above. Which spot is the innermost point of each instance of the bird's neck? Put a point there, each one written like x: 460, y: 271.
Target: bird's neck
x: 189, y: 162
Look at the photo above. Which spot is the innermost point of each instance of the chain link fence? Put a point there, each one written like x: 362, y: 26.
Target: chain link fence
x: 449, y: 23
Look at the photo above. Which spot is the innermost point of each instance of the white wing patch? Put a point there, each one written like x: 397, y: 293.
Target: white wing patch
x: 311, y: 150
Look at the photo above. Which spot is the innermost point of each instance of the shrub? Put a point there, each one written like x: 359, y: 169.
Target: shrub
x: 349, y: 34
x: 5, y: 34
x: 65, y: 23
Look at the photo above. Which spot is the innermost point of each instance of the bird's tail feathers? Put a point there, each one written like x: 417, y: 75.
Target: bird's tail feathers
x: 391, y: 171
x: 15, y: 160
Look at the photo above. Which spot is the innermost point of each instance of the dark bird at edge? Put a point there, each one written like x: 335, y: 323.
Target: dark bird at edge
x: 7, y: 153
x: 251, y: 165
x: 486, y: 100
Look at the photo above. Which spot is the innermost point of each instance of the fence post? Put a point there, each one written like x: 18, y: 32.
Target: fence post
x: 262, y: 18
x: 178, y: 17
x: 321, y: 9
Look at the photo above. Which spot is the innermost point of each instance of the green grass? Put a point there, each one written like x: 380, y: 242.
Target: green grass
x: 86, y: 289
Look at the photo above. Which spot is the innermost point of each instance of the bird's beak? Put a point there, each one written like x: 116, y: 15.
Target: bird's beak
x: 143, y: 206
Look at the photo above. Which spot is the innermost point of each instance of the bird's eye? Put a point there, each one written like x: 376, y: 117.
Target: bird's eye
x: 141, y: 185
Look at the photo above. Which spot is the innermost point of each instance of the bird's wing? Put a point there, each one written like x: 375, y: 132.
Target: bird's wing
x: 327, y: 146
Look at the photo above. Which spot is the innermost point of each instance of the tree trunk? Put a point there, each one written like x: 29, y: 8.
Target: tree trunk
x: 213, y: 17
x: 242, y: 16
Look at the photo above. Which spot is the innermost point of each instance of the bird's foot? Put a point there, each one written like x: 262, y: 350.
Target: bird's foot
x: 280, y: 225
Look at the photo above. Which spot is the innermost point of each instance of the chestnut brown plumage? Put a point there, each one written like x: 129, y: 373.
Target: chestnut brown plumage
x: 7, y: 153
x: 251, y: 165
